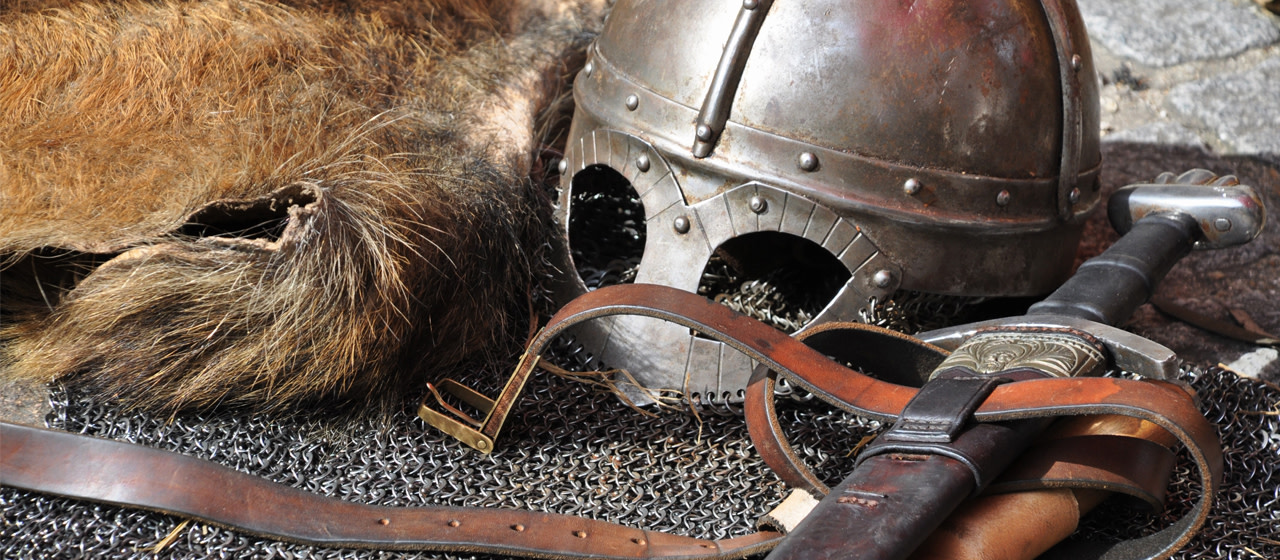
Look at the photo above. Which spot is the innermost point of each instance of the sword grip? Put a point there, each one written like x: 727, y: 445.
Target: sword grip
x: 1109, y: 287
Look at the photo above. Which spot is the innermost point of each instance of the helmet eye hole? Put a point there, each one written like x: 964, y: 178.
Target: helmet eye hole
x: 778, y: 278
x: 606, y: 227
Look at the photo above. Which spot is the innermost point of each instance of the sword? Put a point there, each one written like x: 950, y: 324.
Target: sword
x: 934, y: 457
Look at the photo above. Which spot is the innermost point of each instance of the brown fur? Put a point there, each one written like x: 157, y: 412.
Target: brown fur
x: 279, y: 203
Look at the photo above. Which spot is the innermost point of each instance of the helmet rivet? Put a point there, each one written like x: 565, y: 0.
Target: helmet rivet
x: 1003, y: 198
x: 758, y: 204
x: 882, y: 278
x: 564, y: 165
x: 589, y: 68
x: 703, y: 132
x: 911, y: 187
x: 1073, y: 196
x: 642, y: 163
x: 808, y: 161
x: 681, y: 224
x: 749, y: 4
x: 633, y: 101
x: 1076, y: 62
x: 1222, y: 224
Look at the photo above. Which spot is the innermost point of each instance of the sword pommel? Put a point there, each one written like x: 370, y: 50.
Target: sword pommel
x: 1161, y: 223
x: 1225, y: 212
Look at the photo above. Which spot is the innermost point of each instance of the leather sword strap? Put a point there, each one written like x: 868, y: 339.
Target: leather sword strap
x: 125, y: 474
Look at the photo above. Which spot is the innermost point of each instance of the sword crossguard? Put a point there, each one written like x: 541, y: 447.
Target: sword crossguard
x: 1126, y: 351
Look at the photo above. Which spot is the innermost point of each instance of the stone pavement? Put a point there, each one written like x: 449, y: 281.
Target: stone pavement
x: 1203, y: 73
x: 1196, y: 83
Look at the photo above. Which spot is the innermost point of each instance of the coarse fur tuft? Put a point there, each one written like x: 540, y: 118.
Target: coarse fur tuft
x: 272, y: 204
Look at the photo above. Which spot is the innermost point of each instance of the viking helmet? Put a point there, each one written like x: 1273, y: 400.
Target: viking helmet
x: 942, y: 146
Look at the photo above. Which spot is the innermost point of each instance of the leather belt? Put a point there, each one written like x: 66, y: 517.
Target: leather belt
x: 126, y: 474
x: 132, y: 475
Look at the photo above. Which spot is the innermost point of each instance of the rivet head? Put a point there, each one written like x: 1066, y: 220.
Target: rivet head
x: 642, y: 163
x: 580, y: 534
x: 1222, y: 224
x: 681, y: 224
x: 758, y: 204
x: 882, y: 278
x: 1073, y: 196
x: 703, y: 132
x: 517, y: 527
x: 454, y: 523
x: 1002, y: 198
x: 384, y: 521
x: 1076, y: 62
x: 482, y: 445
x: 750, y: 4
x: 638, y: 541
x: 911, y: 187
x: 808, y: 161
x: 564, y: 165
x: 633, y: 101
x: 589, y: 68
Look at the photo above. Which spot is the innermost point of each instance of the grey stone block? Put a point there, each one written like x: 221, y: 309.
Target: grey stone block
x: 1242, y: 109
x: 1165, y: 133
x: 1169, y: 32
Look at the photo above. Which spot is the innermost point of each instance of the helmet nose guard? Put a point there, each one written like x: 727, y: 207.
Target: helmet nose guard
x: 947, y: 147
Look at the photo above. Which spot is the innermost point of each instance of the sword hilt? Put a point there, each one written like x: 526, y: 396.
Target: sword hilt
x: 1160, y: 223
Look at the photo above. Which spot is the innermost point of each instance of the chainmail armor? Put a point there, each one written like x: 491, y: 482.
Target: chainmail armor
x: 570, y: 449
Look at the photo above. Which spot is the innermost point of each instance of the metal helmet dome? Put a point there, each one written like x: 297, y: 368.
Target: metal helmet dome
x: 944, y: 146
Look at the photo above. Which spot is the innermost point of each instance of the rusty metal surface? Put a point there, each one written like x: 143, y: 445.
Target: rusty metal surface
x: 946, y: 147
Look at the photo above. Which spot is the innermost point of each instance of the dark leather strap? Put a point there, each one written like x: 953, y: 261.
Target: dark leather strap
x: 940, y: 409
x: 109, y: 471
x: 112, y: 472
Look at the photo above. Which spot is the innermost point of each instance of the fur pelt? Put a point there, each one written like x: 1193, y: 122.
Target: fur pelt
x: 271, y: 204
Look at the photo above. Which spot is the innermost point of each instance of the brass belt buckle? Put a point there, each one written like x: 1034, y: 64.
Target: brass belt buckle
x: 479, y: 434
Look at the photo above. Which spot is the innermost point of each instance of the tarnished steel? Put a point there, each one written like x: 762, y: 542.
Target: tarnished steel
x: 903, y: 138
x: 724, y: 84
x: 1227, y: 213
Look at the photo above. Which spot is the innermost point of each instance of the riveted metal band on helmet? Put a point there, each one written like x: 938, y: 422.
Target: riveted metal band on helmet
x: 946, y: 147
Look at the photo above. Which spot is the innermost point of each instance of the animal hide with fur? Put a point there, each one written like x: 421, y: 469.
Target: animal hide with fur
x: 273, y: 203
